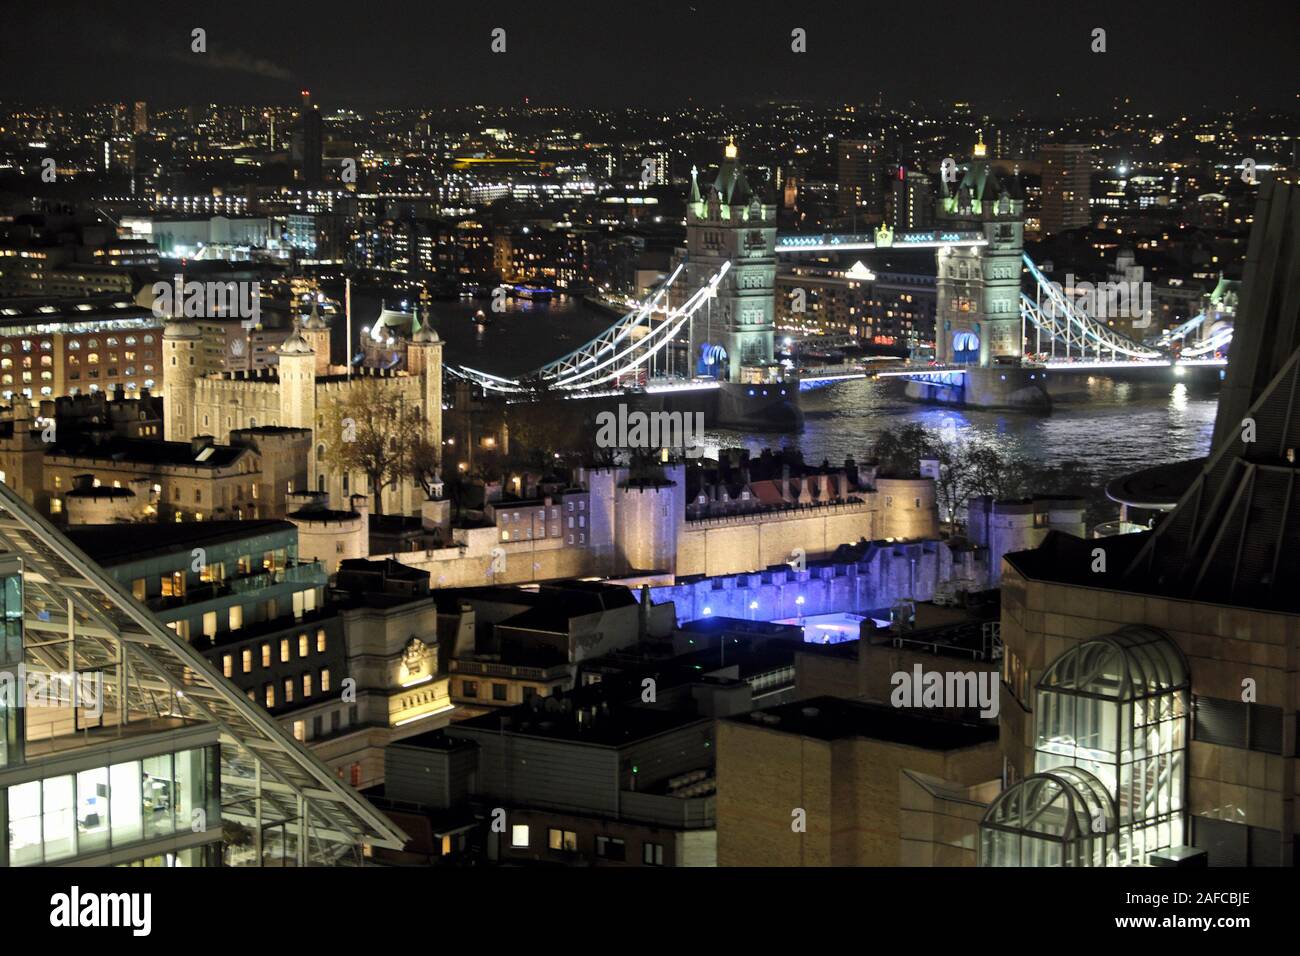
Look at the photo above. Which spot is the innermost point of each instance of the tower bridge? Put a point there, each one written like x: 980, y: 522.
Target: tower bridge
x: 1001, y: 326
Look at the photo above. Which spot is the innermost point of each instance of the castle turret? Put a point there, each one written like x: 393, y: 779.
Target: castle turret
x: 315, y: 331
x: 297, y: 382
x: 424, y: 358
x: 181, y: 355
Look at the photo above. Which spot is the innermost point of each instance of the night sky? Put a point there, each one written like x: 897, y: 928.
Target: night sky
x: 999, y: 54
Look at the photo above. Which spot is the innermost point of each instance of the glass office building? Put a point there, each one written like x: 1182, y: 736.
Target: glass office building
x: 122, y: 745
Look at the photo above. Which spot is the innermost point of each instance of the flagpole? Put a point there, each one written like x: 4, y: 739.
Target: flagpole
x: 347, y: 308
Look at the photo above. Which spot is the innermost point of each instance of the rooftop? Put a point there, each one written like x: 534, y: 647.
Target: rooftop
x: 611, y: 725
x: 834, y: 718
x: 110, y: 544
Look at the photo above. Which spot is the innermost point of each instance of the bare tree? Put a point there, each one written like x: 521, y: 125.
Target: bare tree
x: 374, y: 430
x: 424, y: 460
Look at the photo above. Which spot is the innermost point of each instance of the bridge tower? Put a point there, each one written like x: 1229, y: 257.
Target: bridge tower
x: 733, y: 337
x: 977, y: 315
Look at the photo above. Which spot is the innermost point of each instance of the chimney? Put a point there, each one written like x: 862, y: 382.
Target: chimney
x: 785, y: 483
x: 643, y: 613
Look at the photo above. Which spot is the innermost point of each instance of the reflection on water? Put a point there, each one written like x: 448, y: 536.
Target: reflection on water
x: 1120, y: 428
x: 1109, y: 436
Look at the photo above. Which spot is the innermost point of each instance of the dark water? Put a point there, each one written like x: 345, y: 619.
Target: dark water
x: 1121, y: 429
x: 525, y: 336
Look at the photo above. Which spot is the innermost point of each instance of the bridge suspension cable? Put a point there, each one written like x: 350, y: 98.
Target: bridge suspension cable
x: 586, y: 366
x: 1066, y: 323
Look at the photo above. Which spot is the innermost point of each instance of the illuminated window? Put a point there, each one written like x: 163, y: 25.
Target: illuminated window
x: 564, y: 840
x: 324, y: 680
x: 320, y: 641
x: 266, y: 655
x: 246, y: 660
x: 284, y: 650
x: 519, y: 835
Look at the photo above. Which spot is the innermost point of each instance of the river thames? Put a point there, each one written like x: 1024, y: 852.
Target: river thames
x: 1121, y: 429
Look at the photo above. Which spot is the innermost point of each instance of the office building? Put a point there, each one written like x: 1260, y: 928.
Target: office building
x: 1067, y: 187
x: 123, y: 745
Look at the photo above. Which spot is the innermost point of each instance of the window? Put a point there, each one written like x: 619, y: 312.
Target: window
x: 306, y: 684
x: 92, y: 810
x: 1232, y: 723
x: 470, y: 688
x: 324, y: 680
x: 519, y: 835
x: 266, y: 655
x: 57, y: 810
x: 227, y: 665
x: 158, y: 795
x: 173, y: 585
x: 303, y: 646
x: 320, y: 641
x: 284, y: 650
x: 247, y: 660
x: 299, y: 730
x: 210, y: 624
x: 609, y: 848
x: 499, y: 691
x: 124, y: 799
x: 270, y: 695
x: 236, y: 617
x: 288, y: 690
x: 563, y: 840
x: 652, y: 854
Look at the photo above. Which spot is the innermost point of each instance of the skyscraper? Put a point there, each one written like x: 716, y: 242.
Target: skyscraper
x: 312, y: 144
x: 1067, y: 171
x: 140, y: 118
x: 858, y: 178
x: 911, y: 199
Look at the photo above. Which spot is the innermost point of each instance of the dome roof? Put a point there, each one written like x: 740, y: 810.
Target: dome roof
x: 295, y: 344
x: 426, y: 334
x: 314, y: 321
x: 180, y: 329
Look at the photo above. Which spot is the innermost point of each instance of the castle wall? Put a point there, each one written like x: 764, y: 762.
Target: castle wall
x: 729, y: 545
x: 885, y: 574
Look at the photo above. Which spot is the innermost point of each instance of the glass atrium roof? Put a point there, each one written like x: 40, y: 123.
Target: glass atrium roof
x: 1132, y: 663
x: 1062, y: 804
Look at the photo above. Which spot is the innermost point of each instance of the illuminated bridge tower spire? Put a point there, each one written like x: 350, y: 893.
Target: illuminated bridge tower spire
x: 732, y: 337
x: 978, y: 288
